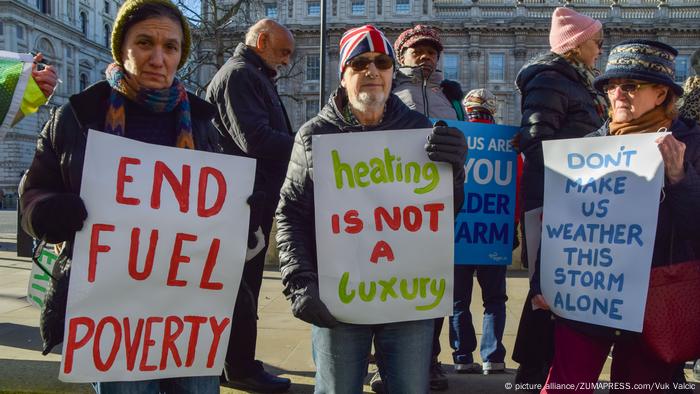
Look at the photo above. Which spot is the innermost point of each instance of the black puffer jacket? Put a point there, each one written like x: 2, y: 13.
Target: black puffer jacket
x: 251, y: 119
x: 555, y: 105
x: 57, y: 168
x: 678, y: 225
x: 296, y: 240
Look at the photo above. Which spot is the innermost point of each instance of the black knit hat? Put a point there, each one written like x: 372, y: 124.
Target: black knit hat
x: 642, y: 60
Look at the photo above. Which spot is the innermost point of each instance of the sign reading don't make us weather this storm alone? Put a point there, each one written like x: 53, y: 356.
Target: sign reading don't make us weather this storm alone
x: 384, y: 227
x: 157, y: 265
x: 601, y: 199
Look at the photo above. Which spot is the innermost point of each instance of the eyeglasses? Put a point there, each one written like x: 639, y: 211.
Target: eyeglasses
x: 627, y: 88
x: 599, y: 43
x: 359, y: 63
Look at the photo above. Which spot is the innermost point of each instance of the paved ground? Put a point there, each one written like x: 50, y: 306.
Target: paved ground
x: 283, y: 341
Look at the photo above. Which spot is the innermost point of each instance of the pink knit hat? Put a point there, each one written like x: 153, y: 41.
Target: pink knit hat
x: 571, y: 29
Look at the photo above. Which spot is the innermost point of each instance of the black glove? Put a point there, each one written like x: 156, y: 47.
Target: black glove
x: 452, y: 90
x: 257, y: 204
x: 447, y: 144
x: 307, y: 306
x: 58, y: 217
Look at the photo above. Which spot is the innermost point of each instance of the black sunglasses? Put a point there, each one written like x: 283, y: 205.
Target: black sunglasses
x: 383, y: 62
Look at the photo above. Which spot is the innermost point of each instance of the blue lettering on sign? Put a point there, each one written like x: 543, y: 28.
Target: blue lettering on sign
x: 586, y: 303
x: 484, y: 227
x: 622, y: 158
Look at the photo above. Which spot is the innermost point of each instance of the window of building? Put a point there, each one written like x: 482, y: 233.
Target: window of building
x: 106, y: 6
x: 313, y: 8
x: 311, y: 109
x: 403, y: 6
x: 20, y: 32
x: 681, y: 68
x: 357, y: 7
x: 69, y: 52
x: 84, y: 23
x: 83, y: 81
x: 450, y: 66
x: 44, y: 6
x: 271, y: 10
x: 108, y: 34
x: 2, y: 28
x: 497, y: 70
x: 313, y: 67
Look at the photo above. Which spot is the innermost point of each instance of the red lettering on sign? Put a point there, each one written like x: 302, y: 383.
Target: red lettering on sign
x: 134, y: 253
x: 147, y: 343
x: 195, y: 321
x: 354, y: 223
x: 131, y: 344
x: 434, y: 211
x: 177, y: 258
x: 335, y: 223
x: 209, y: 265
x: 122, y: 178
x: 382, y: 215
x: 204, y: 173
x: 412, y: 218
x: 96, y: 248
x: 382, y: 250
x: 72, y: 344
x: 217, y: 330
x: 181, y: 189
x: 169, y: 338
x: 99, y: 364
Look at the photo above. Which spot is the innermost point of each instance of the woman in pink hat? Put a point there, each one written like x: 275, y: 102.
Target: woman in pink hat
x: 558, y: 101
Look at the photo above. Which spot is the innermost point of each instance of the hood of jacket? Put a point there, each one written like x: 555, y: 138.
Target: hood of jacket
x: 548, y: 61
x: 396, y: 113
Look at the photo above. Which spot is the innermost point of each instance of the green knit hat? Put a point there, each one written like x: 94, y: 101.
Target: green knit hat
x: 128, y: 9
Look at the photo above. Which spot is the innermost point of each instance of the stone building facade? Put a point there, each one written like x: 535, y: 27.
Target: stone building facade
x: 74, y: 36
x: 486, y: 41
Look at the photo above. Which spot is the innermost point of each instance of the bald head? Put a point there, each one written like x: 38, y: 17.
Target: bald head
x: 273, y: 42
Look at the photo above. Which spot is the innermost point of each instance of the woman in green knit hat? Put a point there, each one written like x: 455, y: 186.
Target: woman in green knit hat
x: 140, y: 99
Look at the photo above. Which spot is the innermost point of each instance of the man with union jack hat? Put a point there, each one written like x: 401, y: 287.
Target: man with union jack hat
x: 362, y: 103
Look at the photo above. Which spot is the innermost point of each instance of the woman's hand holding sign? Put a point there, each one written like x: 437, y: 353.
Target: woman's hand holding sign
x: 673, y: 153
x: 307, y: 305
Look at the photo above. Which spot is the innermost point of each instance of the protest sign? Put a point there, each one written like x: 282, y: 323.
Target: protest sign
x: 157, y: 265
x: 39, y: 279
x: 384, y: 217
x: 19, y: 94
x: 484, y: 228
x: 601, y: 200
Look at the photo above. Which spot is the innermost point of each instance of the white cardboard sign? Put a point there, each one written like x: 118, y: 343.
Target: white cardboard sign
x: 384, y: 227
x: 157, y: 265
x: 601, y: 200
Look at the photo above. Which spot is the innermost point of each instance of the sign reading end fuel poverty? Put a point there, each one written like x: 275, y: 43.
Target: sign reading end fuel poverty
x: 157, y: 265
x: 384, y: 227
x: 601, y: 200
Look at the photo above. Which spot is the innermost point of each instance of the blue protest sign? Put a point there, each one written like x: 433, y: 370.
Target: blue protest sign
x: 484, y: 227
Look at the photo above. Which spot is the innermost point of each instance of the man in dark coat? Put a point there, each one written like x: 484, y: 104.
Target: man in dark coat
x: 253, y: 122
x: 363, y: 103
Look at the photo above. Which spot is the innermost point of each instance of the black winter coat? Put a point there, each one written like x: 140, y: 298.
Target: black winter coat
x: 555, y: 105
x: 57, y: 166
x: 296, y: 240
x: 251, y: 118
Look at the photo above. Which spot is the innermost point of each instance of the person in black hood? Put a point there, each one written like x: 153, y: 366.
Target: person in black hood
x: 558, y: 101
x: 363, y: 103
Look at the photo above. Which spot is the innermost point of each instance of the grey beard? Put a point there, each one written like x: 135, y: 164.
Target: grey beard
x: 365, y: 101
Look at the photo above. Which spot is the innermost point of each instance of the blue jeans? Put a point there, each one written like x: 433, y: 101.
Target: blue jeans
x: 492, y: 279
x: 188, y: 385
x: 402, y: 350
